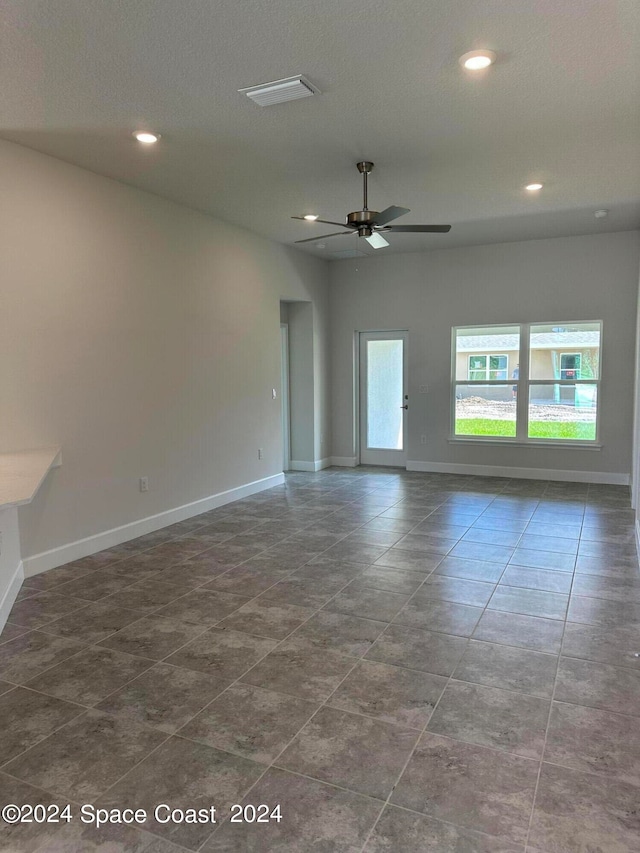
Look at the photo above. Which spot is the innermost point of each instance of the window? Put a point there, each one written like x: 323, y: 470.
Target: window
x: 570, y: 365
x: 554, y: 397
x: 488, y: 367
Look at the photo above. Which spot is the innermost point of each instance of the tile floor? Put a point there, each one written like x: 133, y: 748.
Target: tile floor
x: 404, y: 662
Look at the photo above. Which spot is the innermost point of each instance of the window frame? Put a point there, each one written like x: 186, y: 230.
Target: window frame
x: 522, y: 385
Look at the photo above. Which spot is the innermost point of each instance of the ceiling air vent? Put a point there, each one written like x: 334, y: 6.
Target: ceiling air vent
x: 289, y: 89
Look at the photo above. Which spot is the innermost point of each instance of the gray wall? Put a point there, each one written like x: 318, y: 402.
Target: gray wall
x: 573, y: 278
x: 144, y: 339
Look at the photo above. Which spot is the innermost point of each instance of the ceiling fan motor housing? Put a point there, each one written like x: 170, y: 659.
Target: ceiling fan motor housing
x: 362, y: 219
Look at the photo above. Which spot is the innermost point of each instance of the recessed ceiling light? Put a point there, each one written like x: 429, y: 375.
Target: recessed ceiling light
x: 533, y: 187
x: 146, y: 138
x: 600, y: 214
x: 311, y: 217
x: 475, y: 60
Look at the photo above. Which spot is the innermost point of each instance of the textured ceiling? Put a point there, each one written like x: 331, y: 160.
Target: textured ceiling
x: 561, y: 105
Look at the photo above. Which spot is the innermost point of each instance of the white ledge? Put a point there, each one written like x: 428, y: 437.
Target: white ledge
x: 22, y: 473
x: 513, y: 442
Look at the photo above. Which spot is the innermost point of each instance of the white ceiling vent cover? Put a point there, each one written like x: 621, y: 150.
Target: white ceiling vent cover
x: 289, y: 89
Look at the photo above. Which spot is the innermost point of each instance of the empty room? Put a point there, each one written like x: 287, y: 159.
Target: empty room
x: 310, y: 544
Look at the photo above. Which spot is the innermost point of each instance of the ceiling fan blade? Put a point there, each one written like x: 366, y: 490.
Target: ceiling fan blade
x: 324, y: 222
x: 376, y: 240
x: 425, y: 229
x: 324, y: 236
x: 390, y: 213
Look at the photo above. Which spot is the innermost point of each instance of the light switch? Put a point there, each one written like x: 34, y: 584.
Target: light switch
x: 274, y: 393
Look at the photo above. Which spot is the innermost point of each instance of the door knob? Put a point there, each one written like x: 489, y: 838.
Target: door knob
x: 404, y: 407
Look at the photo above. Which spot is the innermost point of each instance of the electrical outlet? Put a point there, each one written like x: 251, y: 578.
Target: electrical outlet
x: 260, y: 453
x: 423, y: 439
x: 144, y: 484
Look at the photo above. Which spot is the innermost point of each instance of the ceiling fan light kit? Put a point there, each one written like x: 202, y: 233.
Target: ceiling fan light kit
x: 369, y: 223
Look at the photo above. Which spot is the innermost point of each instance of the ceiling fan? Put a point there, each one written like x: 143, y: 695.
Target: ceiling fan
x: 371, y: 224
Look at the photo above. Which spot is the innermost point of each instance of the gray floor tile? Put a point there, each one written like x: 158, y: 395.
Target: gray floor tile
x: 42, y: 608
x: 348, y: 635
x: 250, y: 721
x: 267, y: 618
x: 351, y: 751
x: 78, y: 836
x: 164, y: 697
x: 488, y: 716
x: 27, y: 837
x: 594, y: 741
x: 510, y: 668
x: 424, y: 542
x: 529, y: 602
x: 387, y: 532
x: 602, y: 612
x: 32, y: 653
x: 299, y: 592
x: 27, y: 717
x: 543, y: 579
x: 419, y: 650
x: 411, y: 561
x: 391, y: 580
x: 389, y: 693
x: 617, y: 646
x: 558, y: 544
x: 145, y: 595
x: 469, y: 786
x: 375, y: 604
x: 579, y: 812
x: 461, y: 567
x: 63, y: 763
x: 598, y: 685
x: 612, y: 588
x: 506, y: 538
x: 202, y: 607
x: 90, y: 675
x: 543, y: 559
x: 443, y: 616
x: 498, y: 554
x: 184, y: 774
x: 223, y: 654
x: 514, y: 629
x: 11, y: 631
x: 399, y: 830
x: 153, y: 637
x: 316, y: 816
x: 298, y: 669
x: 457, y: 590
x: 94, y: 622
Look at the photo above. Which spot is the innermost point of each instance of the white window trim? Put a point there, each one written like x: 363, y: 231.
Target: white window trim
x: 522, y: 397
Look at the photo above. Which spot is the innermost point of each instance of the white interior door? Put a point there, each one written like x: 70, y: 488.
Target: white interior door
x: 384, y: 400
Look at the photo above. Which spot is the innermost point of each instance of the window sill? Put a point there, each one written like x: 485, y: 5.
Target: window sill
x: 514, y: 442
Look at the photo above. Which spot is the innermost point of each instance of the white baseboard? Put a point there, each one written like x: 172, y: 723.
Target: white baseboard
x: 610, y: 478
x: 317, y: 465
x: 344, y: 461
x: 638, y: 536
x: 107, y: 539
x: 9, y: 597
x: 299, y: 465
